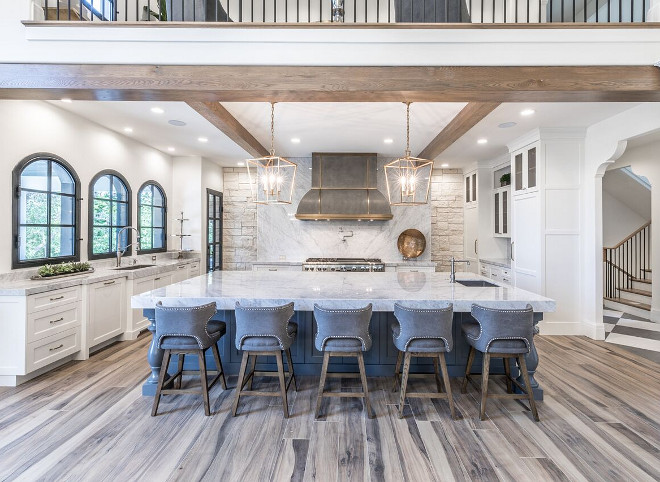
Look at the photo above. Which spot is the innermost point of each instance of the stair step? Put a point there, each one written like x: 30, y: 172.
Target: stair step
x: 637, y: 292
x: 647, y: 270
x: 640, y: 280
x: 635, y: 304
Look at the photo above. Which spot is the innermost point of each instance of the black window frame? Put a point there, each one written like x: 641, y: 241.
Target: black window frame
x: 210, y: 216
x: 16, y: 263
x: 90, y: 215
x: 139, y: 216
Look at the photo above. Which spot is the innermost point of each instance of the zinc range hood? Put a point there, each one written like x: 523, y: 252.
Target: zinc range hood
x: 344, y: 186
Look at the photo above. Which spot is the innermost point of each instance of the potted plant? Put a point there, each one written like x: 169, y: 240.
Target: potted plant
x: 62, y: 269
x: 505, y: 179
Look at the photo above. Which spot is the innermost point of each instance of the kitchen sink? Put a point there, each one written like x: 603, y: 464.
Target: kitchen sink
x: 476, y: 282
x: 133, y: 267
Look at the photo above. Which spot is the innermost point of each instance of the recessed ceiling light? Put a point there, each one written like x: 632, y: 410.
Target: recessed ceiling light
x: 157, y: 110
x: 527, y: 112
x: 171, y: 149
x: 295, y: 140
x: 239, y: 163
x: 175, y: 122
x: 128, y: 130
x: 506, y: 125
x: 444, y: 165
x: 482, y: 141
x: 66, y: 100
x: 388, y: 141
x: 202, y: 139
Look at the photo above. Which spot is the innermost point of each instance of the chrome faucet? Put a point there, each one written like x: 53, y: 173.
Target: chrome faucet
x: 452, y: 274
x: 120, y: 253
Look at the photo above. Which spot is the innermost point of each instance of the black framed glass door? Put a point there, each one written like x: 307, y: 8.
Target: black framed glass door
x: 214, y: 231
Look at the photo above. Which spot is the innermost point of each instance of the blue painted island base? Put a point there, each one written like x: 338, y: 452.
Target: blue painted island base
x: 379, y: 361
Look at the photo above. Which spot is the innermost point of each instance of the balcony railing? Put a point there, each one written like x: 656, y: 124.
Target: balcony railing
x: 346, y: 11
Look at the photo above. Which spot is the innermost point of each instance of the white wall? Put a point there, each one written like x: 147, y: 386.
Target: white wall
x: 619, y: 221
x: 32, y: 126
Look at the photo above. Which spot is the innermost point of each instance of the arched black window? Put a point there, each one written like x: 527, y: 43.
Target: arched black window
x: 46, y: 211
x: 109, y: 211
x: 152, y: 218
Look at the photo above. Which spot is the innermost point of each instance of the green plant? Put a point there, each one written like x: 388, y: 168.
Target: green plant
x: 62, y: 268
x: 505, y: 179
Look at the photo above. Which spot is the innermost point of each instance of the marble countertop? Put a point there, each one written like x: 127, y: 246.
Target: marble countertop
x: 21, y: 287
x: 502, y: 262
x: 338, y: 290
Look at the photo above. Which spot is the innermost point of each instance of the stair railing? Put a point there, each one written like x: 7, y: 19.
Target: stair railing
x: 629, y: 259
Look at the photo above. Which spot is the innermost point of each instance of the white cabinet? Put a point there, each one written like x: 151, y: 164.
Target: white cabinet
x: 500, y: 274
x: 471, y: 188
x: 524, y: 168
x: 194, y: 269
x: 106, y: 310
x: 502, y: 212
x: 180, y: 273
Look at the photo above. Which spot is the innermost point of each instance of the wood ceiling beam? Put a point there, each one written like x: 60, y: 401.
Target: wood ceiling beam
x: 330, y: 84
x: 227, y: 123
x: 465, y: 120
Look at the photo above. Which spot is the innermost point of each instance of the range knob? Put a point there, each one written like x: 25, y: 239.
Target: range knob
x: 354, y: 268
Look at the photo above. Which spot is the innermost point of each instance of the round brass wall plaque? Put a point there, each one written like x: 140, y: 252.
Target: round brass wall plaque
x: 411, y: 243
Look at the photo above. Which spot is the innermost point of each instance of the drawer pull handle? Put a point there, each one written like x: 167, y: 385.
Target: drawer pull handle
x: 56, y: 321
x: 109, y: 282
x: 156, y: 279
x: 57, y: 347
x: 57, y: 298
x: 272, y: 269
x: 414, y: 270
x: 181, y: 267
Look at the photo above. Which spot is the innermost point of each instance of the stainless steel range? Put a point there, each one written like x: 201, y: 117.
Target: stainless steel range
x: 344, y: 264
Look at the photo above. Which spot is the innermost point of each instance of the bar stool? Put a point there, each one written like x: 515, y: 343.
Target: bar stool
x: 182, y: 331
x: 501, y: 334
x: 264, y: 331
x: 423, y: 333
x: 342, y: 333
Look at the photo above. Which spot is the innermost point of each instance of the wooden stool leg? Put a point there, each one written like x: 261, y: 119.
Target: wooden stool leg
x: 161, y: 379
x: 292, y: 374
x: 280, y: 373
x: 468, y: 367
x: 397, y: 368
x: 252, y: 366
x: 365, y: 387
x: 218, y: 365
x: 181, y: 357
x: 437, y: 374
x: 204, y: 380
x: 404, y: 383
x: 484, y: 385
x: 239, y: 383
x: 445, y: 377
x: 324, y: 372
x: 528, y: 386
x: 507, y: 373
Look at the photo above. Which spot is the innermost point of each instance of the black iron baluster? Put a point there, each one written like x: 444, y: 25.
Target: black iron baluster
x: 354, y: 11
x: 504, y: 3
x: 516, y: 10
x: 643, y: 10
x: 297, y: 11
x: 286, y: 11
x: 321, y: 11
x: 263, y: 12
x: 632, y: 10
x: 528, y: 11
x: 562, y: 10
x: 584, y: 10
x: 482, y: 10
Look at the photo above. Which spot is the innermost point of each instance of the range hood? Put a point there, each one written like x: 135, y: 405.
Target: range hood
x: 344, y: 186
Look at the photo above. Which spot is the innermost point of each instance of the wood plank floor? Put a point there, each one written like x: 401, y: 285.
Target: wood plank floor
x: 88, y: 421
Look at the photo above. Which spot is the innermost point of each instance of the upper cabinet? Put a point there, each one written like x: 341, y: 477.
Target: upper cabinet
x: 524, y: 167
x: 502, y: 214
x: 471, y: 188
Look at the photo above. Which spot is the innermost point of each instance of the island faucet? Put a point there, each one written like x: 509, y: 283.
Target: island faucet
x: 452, y: 274
x: 120, y: 253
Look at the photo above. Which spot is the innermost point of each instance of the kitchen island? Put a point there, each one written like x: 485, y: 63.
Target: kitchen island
x: 338, y: 290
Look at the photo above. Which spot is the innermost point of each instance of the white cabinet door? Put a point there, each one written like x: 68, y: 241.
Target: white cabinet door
x: 180, y: 273
x: 502, y: 212
x: 163, y: 280
x: 106, y: 310
x: 471, y: 238
x: 194, y: 269
x: 471, y: 188
x: 524, y: 170
x: 526, y: 249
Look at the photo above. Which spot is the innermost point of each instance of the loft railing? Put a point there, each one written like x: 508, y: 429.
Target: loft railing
x: 347, y: 11
x: 628, y: 260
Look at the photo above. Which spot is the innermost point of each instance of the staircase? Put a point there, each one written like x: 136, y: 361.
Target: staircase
x: 627, y: 273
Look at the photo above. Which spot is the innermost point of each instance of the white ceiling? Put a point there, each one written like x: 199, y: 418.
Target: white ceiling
x: 328, y: 127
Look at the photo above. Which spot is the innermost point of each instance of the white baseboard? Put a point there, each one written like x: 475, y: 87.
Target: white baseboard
x: 132, y: 335
x: 15, y: 380
x: 561, y: 328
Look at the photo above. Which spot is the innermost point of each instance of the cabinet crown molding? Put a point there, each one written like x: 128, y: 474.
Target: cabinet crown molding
x: 546, y: 133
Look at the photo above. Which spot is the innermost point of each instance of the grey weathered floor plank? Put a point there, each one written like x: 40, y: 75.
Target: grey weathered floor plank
x: 89, y: 421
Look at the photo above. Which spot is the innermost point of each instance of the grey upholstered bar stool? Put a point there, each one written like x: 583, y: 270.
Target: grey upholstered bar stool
x: 423, y: 333
x: 264, y: 331
x: 500, y: 334
x: 344, y: 333
x: 188, y: 330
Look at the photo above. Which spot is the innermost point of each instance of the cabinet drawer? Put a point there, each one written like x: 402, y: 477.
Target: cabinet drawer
x: 506, y: 272
x: 415, y: 269
x: 50, y: 322
x: 506, y: 279
x: 46, y: 351
x: 51, y: 299
x: 287, y: 267
x: 194, y: 270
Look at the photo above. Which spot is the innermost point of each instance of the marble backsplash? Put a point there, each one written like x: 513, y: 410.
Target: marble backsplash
x: 280, y: 236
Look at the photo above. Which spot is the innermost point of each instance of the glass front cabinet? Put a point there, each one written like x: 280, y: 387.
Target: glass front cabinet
x: 524, y: 167
x: 502, y: 214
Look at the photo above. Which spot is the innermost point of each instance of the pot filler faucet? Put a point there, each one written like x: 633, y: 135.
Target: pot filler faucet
x: 120, y: 253
x: 452, y: 274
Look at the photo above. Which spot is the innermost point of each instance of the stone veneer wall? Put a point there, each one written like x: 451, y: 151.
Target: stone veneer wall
x: 446, y: 216
x: 240, y: 219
